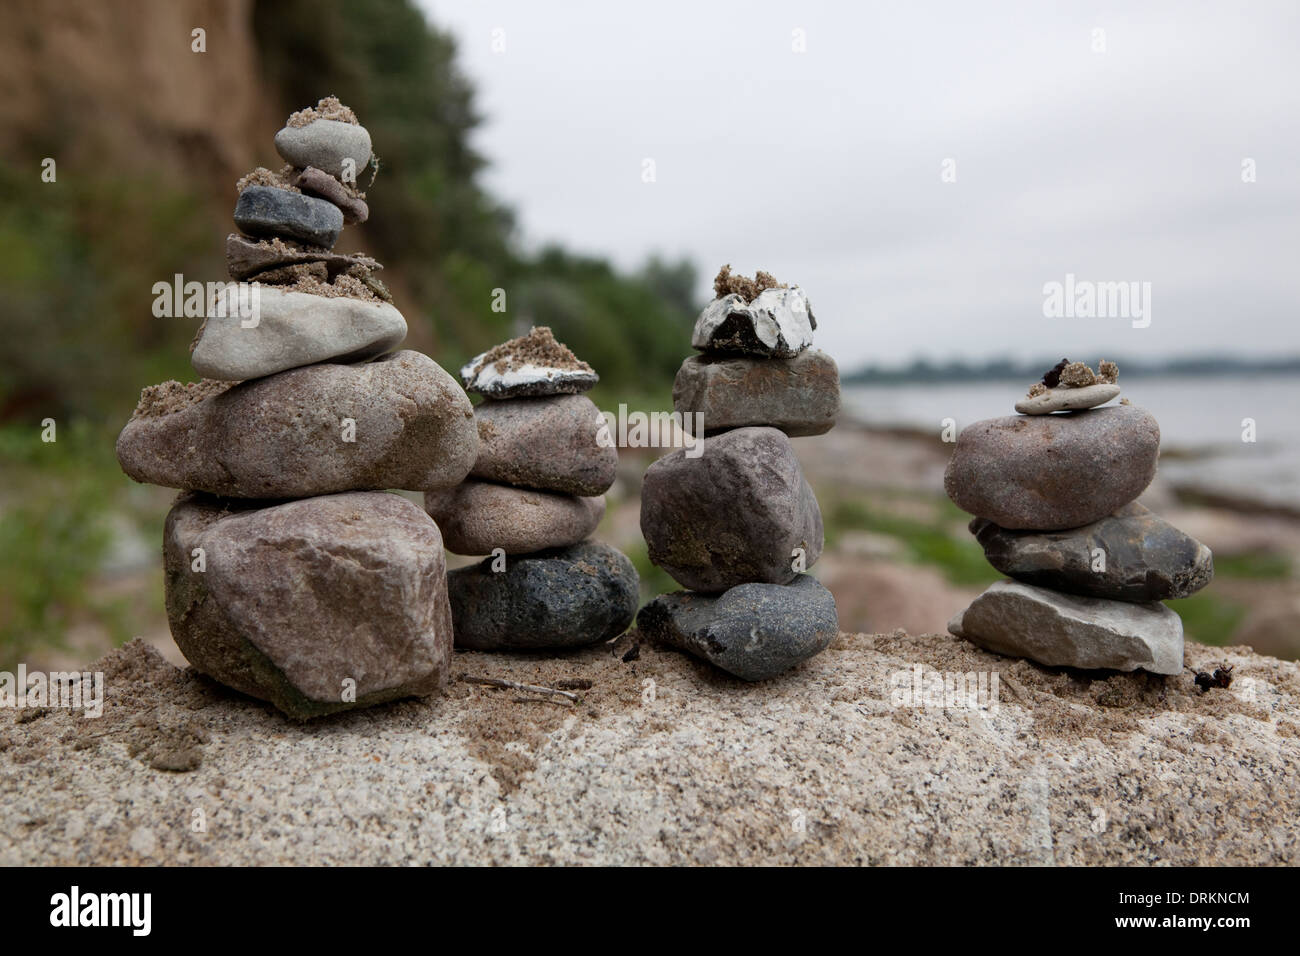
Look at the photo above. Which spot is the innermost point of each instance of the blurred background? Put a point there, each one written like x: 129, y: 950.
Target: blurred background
x: 921, y: 170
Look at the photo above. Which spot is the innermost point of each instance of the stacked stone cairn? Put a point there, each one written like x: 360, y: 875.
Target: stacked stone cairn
x: 534, y: 496
x: 1054, y: 493
x: 735, y: 522
x: 291, y: 575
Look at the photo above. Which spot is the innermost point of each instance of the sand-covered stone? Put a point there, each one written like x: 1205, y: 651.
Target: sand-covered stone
x: 247, y: 258
x: 265, y: 211
x: 754, y: 631
x: 1132, y: 555
x: 741, y: 512
x: 398, y: 422
x: 564, y: 597
x: 551, y: 443
x: 778, y: 323
x: 1050, y: 472
x: 477, y: 517
x: 530, y: 365
x: 1066, y: 630
x: 318, y: 606
x: 800, y: 396
x: 1067, y: 399
x: 335, y: 147
x: 290, y: 329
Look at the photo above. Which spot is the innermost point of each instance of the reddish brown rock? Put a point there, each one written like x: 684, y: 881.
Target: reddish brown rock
x: 477, y: 517
x: 1051, y: 472
x: 547, y: 443
x: 318, y: 605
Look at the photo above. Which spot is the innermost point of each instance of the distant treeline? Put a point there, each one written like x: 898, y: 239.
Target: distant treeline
x: 921, y: 370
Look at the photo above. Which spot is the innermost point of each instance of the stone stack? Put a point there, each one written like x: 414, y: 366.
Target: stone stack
x: 1054, y: 493
x: 337, y: 598
x: 735, y: 522
x: 534, y: 495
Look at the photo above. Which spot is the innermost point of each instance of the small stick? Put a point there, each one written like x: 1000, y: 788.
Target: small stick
x: 515, y: 685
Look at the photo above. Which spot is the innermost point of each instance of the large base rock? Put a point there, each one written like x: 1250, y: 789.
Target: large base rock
x: 663, y: 763
x: 566, y: 597
x: 317, y: 605
x: 1062, y: 630
x: 754, y: 631
x: 738, y: 513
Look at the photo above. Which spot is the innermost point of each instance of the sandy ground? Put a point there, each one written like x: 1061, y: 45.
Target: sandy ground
x: 665, y: 761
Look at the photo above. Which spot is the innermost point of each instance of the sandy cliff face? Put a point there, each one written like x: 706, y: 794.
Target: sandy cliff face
x: 118, y: 85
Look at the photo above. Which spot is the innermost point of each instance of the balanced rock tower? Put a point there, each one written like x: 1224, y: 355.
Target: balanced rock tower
x: 290, y: 575
x: 535, y: 494
x: 1054, y: 493
x: 734, y: 521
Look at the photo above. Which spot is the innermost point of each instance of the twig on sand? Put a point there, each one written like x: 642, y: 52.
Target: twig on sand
x: 515, y: 685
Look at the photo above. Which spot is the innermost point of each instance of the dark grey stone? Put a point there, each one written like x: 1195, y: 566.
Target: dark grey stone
x: 754, y: 631
x: 1145, y: 557
x: 563, y: 597
x: 265, y: 211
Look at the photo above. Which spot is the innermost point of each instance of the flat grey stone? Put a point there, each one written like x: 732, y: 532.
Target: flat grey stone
x: 1050, y: 472
x: 1065, y: 630
x: 296, y: 600
x: 265, y: 211
x: 800, y: 396
x: 325, y: 144
x: 564, y: 597
x: 285, y: 436
x: 292, y: 329
x: 477, y: 517
x: 733, y: 515
x: 754, y: 631
x: 1068, y: 399
x: 246, y: 258
x: 778, y: 323
x: 1142, y: 557
x: 548, y: 443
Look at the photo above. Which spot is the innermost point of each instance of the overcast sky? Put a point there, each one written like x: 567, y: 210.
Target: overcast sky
x: 825, y: 166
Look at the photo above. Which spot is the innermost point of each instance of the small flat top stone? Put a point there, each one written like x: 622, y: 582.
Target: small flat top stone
x: 533, y: 364
x: 1063, y: 399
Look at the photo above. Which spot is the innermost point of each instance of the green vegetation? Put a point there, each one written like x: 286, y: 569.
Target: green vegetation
x: 1256, y: 566
x: 961, y: 559
x: 1208, y: 619
x: 54, y: 534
